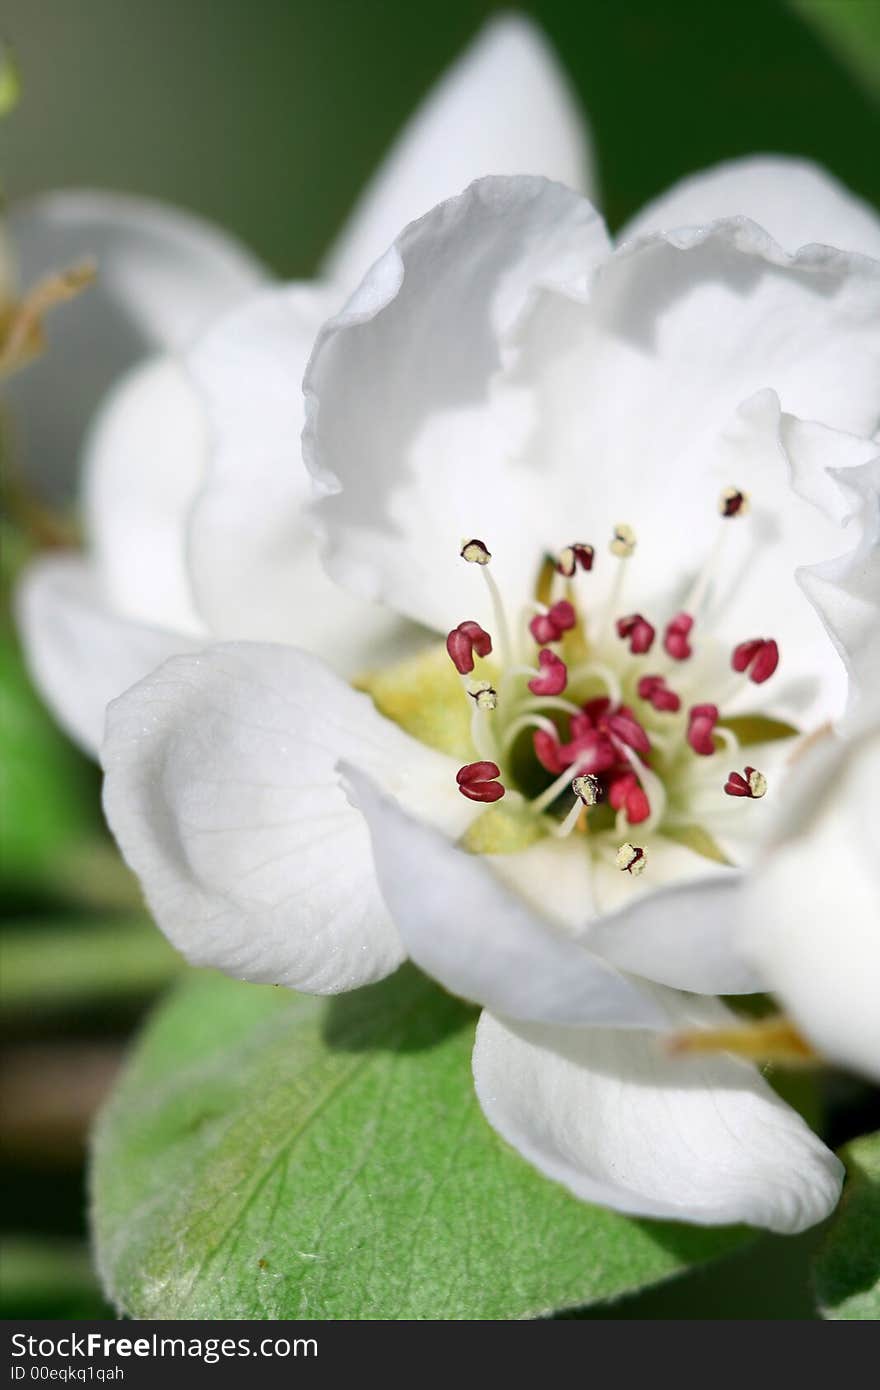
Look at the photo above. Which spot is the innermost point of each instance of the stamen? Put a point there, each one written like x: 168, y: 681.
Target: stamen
x: 573, y: 555
x: 655, y: 691
x: 477, y: 781
x: 531, y: 721
x: 773, y: 1039
x: 475, y: 552
x: 631, y: 859
x: 484, y: 694
x: 623, y: 541
x: 554, y: 675
x: 753, y: 784
x: 675, y: 638
x: 587, y: 788
x: 733, y: 502
x: 701, y: 726
x: 623, y: 726
x: 625, y: 793
x: 565, y: 779
x: 463, y: 641
x: 550, y: 626
x: 638, y: 631
x: 759, y: 657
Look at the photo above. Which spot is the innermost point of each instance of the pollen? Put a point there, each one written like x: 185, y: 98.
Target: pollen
x: 732, y: 502
x: 631, y: 859
x: 574, y: 555
x: 588, y: 788
x: 475, y: 552
x: 623, y: 541
x: 483, y: 694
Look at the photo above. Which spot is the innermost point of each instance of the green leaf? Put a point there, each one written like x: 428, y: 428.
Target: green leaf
x: 47, y: 787
x: 270, y: 1155
x: 852, y: 31
x: 847, y: 1270
x: 58, y: 963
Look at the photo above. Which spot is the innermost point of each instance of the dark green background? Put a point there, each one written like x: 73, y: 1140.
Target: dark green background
x: 267, y: 116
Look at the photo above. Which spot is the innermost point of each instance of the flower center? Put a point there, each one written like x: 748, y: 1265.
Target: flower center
x: 588, y: 723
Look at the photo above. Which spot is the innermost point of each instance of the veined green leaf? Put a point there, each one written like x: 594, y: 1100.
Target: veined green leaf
x: 270, y: 1155
x: 847, y: 1270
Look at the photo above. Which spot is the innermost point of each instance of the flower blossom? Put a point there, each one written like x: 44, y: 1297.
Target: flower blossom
x: 549, y: 817
x: 187, y: 543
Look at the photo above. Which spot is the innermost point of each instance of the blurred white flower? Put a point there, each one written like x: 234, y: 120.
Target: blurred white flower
x: 186, y: 541
x: 812, y: 908
x: 610, y: 479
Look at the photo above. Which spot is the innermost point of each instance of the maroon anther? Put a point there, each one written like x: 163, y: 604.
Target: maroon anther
x: 701, y: 726
x: 655, y: 690
x: 553, y: 677
x: 638, y: 631
x: 549, y: 626
x: 624, y: 726
x: 477, y: 781
x: 759, y: 657
x: 626, y: 793
x: 752, y: 784
x: 463, y: 641
x: 675, y: 638
x: 574, y: 555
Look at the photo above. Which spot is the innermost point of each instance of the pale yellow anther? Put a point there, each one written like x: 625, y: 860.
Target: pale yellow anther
x: 757, y: 783
x: 475, y: 552
x: 566, y: 563
x: 588, y: 788
x: 631, y: 859
x: 623, y: 541
x: 484, y: 694
x: 733, y: 502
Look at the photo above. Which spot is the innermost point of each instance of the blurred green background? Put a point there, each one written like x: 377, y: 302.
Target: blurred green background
x: 267, y: 116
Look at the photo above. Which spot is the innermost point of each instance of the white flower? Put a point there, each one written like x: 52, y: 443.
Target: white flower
x: 812, y: 917
x: 682, y: 426
x: 186, y: 543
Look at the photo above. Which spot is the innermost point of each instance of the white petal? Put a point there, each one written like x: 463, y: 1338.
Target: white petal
x: 162, y: 275
x: 607, y: 1114
x: 222, y: 792
x: 812, y: 923
x: 81, y: 654
x: 846, y: 592
x: 144, y: 460
x: 792, y: 471
x: 479, y: 939
x: 253, y: 556
x: 795, y: 201
x: 504, y: 108
x: 397, y: 390
x: 635, y: 386
x: 686, y: 936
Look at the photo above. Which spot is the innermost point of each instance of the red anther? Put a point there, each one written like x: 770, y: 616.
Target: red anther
x: 753, y: 784
x: 574, y: 555
x: 626, y: 793
x: 675, y: 638
x: 477, y: 781
x: 759, y: 656
x: 549, y: 626
x: 549, y: 752
x: 554, y: 675
x: 737, y: 785
x: 655, y: 691
x: 623, y: 725
x: 639, y: 631
x: 463, y: 641
x: 701, y: 725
